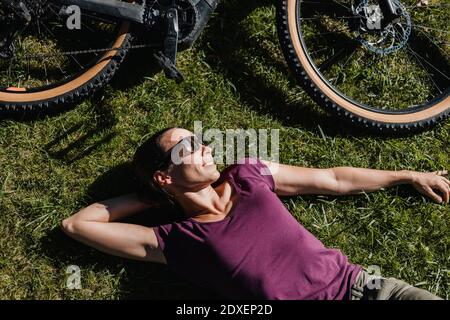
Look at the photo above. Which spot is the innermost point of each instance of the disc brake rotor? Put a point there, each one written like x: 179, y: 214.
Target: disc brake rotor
x: 377, y: 36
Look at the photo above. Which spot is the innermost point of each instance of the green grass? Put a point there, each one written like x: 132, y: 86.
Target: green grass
x: 236, y: 78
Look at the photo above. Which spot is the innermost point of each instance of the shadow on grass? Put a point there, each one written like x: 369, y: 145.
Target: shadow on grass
x: 95, y: 132
x: 99, y: 129
x: 139, y: 280
x: 137, y: 65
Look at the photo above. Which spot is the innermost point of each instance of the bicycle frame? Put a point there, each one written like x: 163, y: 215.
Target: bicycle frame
x: 114, y: 8
x: 119, y: 9
x: 135, y: 13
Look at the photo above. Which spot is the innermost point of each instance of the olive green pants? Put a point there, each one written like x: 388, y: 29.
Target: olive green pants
x: 367, y: 287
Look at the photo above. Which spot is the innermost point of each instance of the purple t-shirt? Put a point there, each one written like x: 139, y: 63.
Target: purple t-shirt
x: 259, y: 251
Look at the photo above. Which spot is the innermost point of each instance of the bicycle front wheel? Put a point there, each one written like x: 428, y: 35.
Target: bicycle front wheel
x: 382, y: 73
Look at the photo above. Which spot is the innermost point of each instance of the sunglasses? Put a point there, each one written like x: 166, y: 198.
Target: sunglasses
x: 181, y: 149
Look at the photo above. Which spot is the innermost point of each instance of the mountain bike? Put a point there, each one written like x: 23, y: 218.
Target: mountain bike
x: 379, y: 64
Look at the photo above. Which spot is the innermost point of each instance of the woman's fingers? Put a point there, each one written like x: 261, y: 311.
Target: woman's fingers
x: 443, y: 187
x: 433, y: 195
x: 444, y: 190
x: 437, y: 188
x: 446, y: 181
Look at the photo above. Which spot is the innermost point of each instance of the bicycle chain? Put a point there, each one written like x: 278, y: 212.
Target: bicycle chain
x: 78, y: 52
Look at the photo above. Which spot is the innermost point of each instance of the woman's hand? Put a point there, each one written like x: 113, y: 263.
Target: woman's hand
x: 428, y: 183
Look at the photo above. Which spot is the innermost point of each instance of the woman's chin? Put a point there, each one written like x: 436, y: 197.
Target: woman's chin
x: 215, y: 173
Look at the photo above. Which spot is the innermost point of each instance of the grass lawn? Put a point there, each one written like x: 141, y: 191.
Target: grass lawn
x: 236, y: 78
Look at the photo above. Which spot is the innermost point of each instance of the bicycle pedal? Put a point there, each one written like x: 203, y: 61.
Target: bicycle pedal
x: 171, y: 71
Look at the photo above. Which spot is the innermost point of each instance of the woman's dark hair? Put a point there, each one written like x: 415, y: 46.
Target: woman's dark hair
x: 148, y: 158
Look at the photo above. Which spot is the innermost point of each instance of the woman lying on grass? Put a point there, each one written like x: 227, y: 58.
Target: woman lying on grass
x: 237, y: 237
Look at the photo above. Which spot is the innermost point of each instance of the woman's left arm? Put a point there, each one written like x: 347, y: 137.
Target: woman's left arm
x: 293, y: 180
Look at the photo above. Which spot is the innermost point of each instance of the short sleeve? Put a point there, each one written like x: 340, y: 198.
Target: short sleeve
x: 255, y: 168
x: 162, y: 233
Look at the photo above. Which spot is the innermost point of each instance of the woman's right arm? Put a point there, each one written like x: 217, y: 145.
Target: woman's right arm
x: 97, y: 226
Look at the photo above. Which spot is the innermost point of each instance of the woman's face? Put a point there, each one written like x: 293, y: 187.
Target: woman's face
x: 191, y: 169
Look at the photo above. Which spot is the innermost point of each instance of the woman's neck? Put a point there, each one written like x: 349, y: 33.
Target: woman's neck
x: 207, y: 202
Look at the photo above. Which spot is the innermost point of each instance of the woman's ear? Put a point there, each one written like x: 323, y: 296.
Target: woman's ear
x: 162, y: 178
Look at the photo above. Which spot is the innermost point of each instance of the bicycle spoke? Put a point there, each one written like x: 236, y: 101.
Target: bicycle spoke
x: 417, y: 57
x: 428, y: 74
x: 338, y: 3
x: 71, y: 56
x: 351, y: 55
x: 317, y: 51
x: 437, y: 46
x: 335, y: 31
x: 386, y: 63
x: 46, y: 52
x: 348, y: 9
x: 416, y: 54
x: 327, y: 63
x: 432, y: 41
x: 316, y: 2
x: 431, y: 65
x: 353, y: 51
x: 428, y: 28
x: 441, y: 5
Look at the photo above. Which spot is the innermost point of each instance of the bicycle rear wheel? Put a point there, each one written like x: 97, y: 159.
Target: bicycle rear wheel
x: 389, y: 76
x: 52, y: 65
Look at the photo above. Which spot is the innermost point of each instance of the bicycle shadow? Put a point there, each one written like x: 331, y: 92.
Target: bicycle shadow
x: 138, y: 65
x: 87, y: 135
x: 138, y: 280
x: 70, y: 146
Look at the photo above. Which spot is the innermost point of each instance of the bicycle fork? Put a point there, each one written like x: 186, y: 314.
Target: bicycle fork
x: 390, y: 9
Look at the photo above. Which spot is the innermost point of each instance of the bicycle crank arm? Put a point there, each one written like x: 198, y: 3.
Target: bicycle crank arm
x: 114, y: 8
